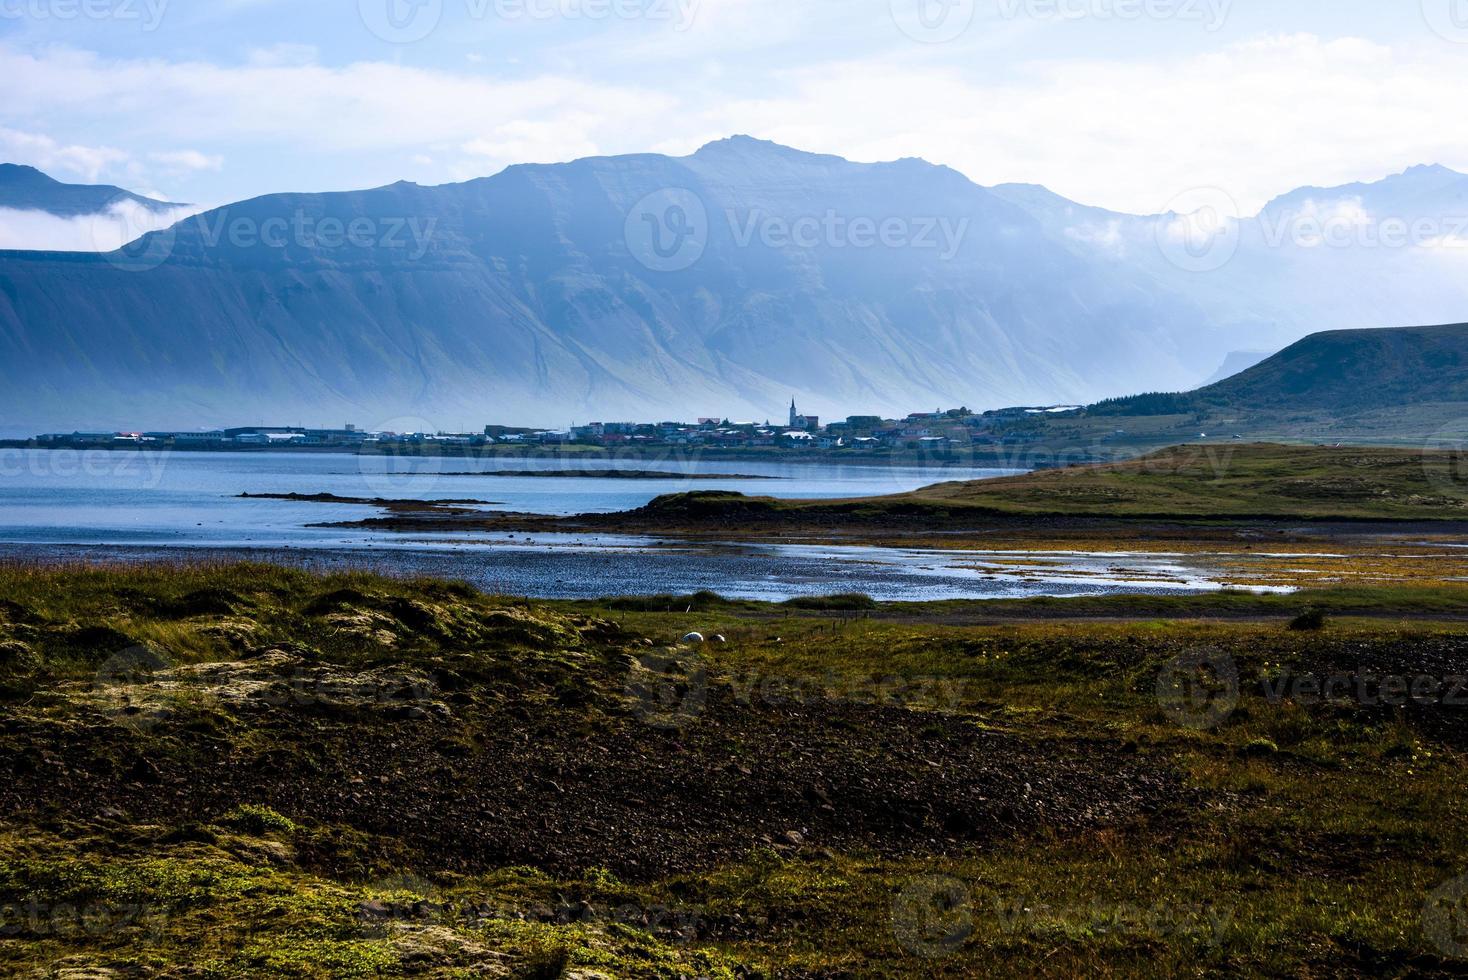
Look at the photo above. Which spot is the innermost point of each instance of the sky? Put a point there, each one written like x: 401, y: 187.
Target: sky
x: 1133, y: 105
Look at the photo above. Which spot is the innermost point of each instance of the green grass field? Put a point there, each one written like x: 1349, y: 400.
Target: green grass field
x: 242, y: 771
x: 1229, y: 481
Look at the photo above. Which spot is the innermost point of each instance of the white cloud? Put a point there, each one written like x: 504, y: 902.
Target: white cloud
x: 183, y: 161
x: 45, y: 153
x: 122, y: 223
x: 278, y: 55
x: 1105, y: 237
x: 369, y: 107
x: 1254, y: 118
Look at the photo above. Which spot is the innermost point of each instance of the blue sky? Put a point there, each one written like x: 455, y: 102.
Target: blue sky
x: 1129, y: 104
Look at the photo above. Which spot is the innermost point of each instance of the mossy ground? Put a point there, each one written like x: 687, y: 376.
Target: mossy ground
x: 1303, y: 839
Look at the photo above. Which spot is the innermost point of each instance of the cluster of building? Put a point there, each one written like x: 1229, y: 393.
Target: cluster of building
x: 256, y: 437
x: 957, y: 428
x: 954, y: 429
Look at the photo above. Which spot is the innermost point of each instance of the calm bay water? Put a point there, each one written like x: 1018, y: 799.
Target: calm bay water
x: 140, y: 506
x: 174, y: 498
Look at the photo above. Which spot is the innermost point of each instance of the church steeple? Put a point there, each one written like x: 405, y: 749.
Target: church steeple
x: 794, y: 414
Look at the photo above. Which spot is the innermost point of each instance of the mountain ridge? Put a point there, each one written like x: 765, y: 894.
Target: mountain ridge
x: 542, y: 291
x: 25, y: 188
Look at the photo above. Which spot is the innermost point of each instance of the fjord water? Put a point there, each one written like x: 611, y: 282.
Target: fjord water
x: 183, y: 498
x: 142, y: 505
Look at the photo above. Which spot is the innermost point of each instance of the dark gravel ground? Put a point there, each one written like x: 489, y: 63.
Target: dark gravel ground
x: 548, y: 786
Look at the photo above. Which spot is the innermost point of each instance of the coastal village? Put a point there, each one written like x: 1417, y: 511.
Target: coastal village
x: 952, y: 429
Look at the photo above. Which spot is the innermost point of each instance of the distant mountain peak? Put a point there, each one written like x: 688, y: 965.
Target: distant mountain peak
x: 1430, y: 170
x: 20, y: 173
x: 741, y: 142
x: 750, y: 147
x: 24, y: 188
x: 1424, y: 178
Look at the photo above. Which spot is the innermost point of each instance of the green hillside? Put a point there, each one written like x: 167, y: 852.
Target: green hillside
x: 1243, y: 480
x: 1355, y: 370
x: 1339, y: 371
x: 1226, y: 481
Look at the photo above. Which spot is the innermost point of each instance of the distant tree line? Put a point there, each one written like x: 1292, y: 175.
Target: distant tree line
x: 1151, y: 403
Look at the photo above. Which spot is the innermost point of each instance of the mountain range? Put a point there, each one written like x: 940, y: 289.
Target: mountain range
x: 28, y: 189
x: 722, y: 283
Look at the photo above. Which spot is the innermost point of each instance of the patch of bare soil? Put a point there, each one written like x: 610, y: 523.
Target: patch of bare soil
x: 457, y: 781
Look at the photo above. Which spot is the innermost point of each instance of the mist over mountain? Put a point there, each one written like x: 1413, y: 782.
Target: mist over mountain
x: 28, y: 189
x: 645, y: 286
x: 1387, y: 253
x: 38, y: 212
